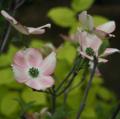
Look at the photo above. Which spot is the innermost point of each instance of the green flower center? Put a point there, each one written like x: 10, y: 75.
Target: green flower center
x: 89, y: 51
x: 34, y: 72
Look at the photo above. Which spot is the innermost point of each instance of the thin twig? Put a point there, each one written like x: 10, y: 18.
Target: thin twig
x: 72, y: 88
x: 84, y: 75
x: 53, y: 97
x: 5, y: 38
x: 69, y: 74
x: 12, y: 8
x: 83, y: 103
x: 114, y: 115
x: 79, y: 65
x: 69, y: 83
x: 19, y: 3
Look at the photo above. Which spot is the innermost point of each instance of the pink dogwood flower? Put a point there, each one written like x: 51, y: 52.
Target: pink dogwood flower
x: 24, y: 29
x: 101, y: 31
x: 87, y: 23
x: 30, y: 68
x: 89, y: 47
x: 89, y: 37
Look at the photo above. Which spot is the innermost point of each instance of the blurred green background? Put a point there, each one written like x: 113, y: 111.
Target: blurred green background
x: 63, y: 15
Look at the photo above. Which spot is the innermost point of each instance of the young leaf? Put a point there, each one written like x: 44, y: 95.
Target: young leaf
x: 67, y: 51
x: 8, y: 104
x: 29, y: 96
x: 62, y: 16
x: 98, y: 20
x: 80, y: 5
x: 6, y: 76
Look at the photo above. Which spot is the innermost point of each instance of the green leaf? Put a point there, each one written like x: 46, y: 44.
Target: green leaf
x: 37, y: 43
x: 59, y: 73
x: 6, y: 76
x: 80, y: 5
x: 89, y: 113
x: 62, y: 16
x: 8, y: 104
x: 98, y: 20
x: 6, y: 59
x: 97, y: 80
x: 74, y: 28
x: 61, y: 113
x: 67, y: 52
x: 3, y: 92
x: 29, y: 96
x: 104, y: 93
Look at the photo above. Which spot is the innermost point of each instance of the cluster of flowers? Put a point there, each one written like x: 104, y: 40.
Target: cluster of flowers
x: 31, y: 69
x: 91, y: 38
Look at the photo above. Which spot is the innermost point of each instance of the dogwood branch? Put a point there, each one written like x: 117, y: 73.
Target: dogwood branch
x: 84, y: 75
x: 83, y: 103
x: 79, y: 65
x: 69, y: 74
x: 68, y: 85
x: 53, y: 97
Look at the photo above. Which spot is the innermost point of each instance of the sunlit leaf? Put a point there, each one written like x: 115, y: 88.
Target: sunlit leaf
x: 38, y: 97
x: 37, y: 43
x: 6, y: 76
x: 62, y: 16
x: 8, y: 104
x: 80, y: 5
x: 98, y: 20
x: 67, y: 51
x: 6, y: 59
x: 59, y: 72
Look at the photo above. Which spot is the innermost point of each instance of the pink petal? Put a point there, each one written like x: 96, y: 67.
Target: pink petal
x: 83, y: 18
x: 88, y: 40
x: 20, y: 74
x: 49, y: 64
x: 108, y: 27
x: 35, y: 84
x: 8, y: 17
x: 33, y: 57
x: 101, y: 60
x: 90, y: 23
x: 94, y: 42
x: 24, y: 29
x: 38, y: 30
x: 109, y: 51
x: 47, y: 81
x: 74, y: 37
x: 35, y: 30
x: 42, y: 83
x: 86, y: 20
x: 19, y: 59
x: 82, y: 39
